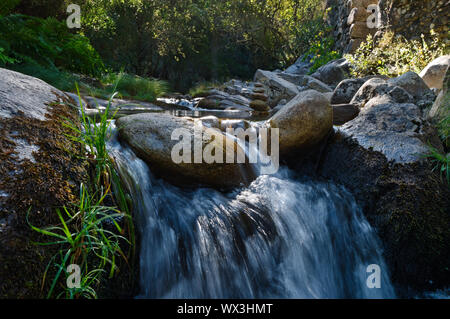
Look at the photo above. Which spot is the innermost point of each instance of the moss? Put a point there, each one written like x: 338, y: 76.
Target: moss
x: 51, y: 181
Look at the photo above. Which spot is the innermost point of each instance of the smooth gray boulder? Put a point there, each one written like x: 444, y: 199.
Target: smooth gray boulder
x: 345, y: 90
x: 378, y: 87
x: 414, y: 85
x: 303, y: 122
x: 23, y: 93
x: 150, y: 136
x: 305, y: 82
x: 342, y: 113
x: 396, y: 130
x: 441, y: 107
x: 433, y: 74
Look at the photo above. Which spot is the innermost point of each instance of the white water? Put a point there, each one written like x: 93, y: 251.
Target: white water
x: 279, y: 238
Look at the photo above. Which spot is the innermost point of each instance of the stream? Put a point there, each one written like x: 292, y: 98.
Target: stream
x: 283, y: 236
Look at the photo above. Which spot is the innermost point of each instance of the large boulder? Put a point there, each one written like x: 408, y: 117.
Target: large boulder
x: 333, y: 72
x: 434, y: 73
x: 219, y: 100
x: 345, y: 90
x: 377, y: 88
x: 303, y: 122
x: 414, y: 85
x: 441, y: 107
x: 150, y: 136
x: 379, y: 157
x: 342, y: 113
x: 277, y: 87
x: 305, y: 82
x: 40, y: 169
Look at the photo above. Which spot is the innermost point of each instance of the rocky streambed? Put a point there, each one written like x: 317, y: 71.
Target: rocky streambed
x: 368, y: 135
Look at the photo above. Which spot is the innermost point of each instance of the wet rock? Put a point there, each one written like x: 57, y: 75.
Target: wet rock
x: 150, y: 136
x: 434, y: 73
x: 303, y: 122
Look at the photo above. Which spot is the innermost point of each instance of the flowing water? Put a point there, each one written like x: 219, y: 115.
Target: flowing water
x: 281, y: 237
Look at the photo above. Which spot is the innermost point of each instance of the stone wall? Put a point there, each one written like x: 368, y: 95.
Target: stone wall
x: 411, y: 18
x: 352, y: 21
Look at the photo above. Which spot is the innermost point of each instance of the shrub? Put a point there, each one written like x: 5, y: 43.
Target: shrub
x: 62, y: 80
x: 6, y: 6
x: 136, y: 87
x: 394, y: 55
x: 4, y: 59
x: 202, y: 88
x: 47, y: 42
x: 321, y: 51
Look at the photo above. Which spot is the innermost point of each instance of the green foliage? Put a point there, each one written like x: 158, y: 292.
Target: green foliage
x: 139, y: 88
x: 200, y: 89
x: 394, y: 55
x: 321, y: 51
x: 128, y: 86
x: 441, y: 161
x: 6, y: 6
x: 190, y: 41
x: 48, y: 43
x: 65, y: 81
x: 91, y: 236
x: 4, y: 59
x: 93, y: 135
x: 83, y: 241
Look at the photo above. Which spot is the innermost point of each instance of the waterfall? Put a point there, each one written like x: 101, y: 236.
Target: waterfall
x: 283, y: 236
